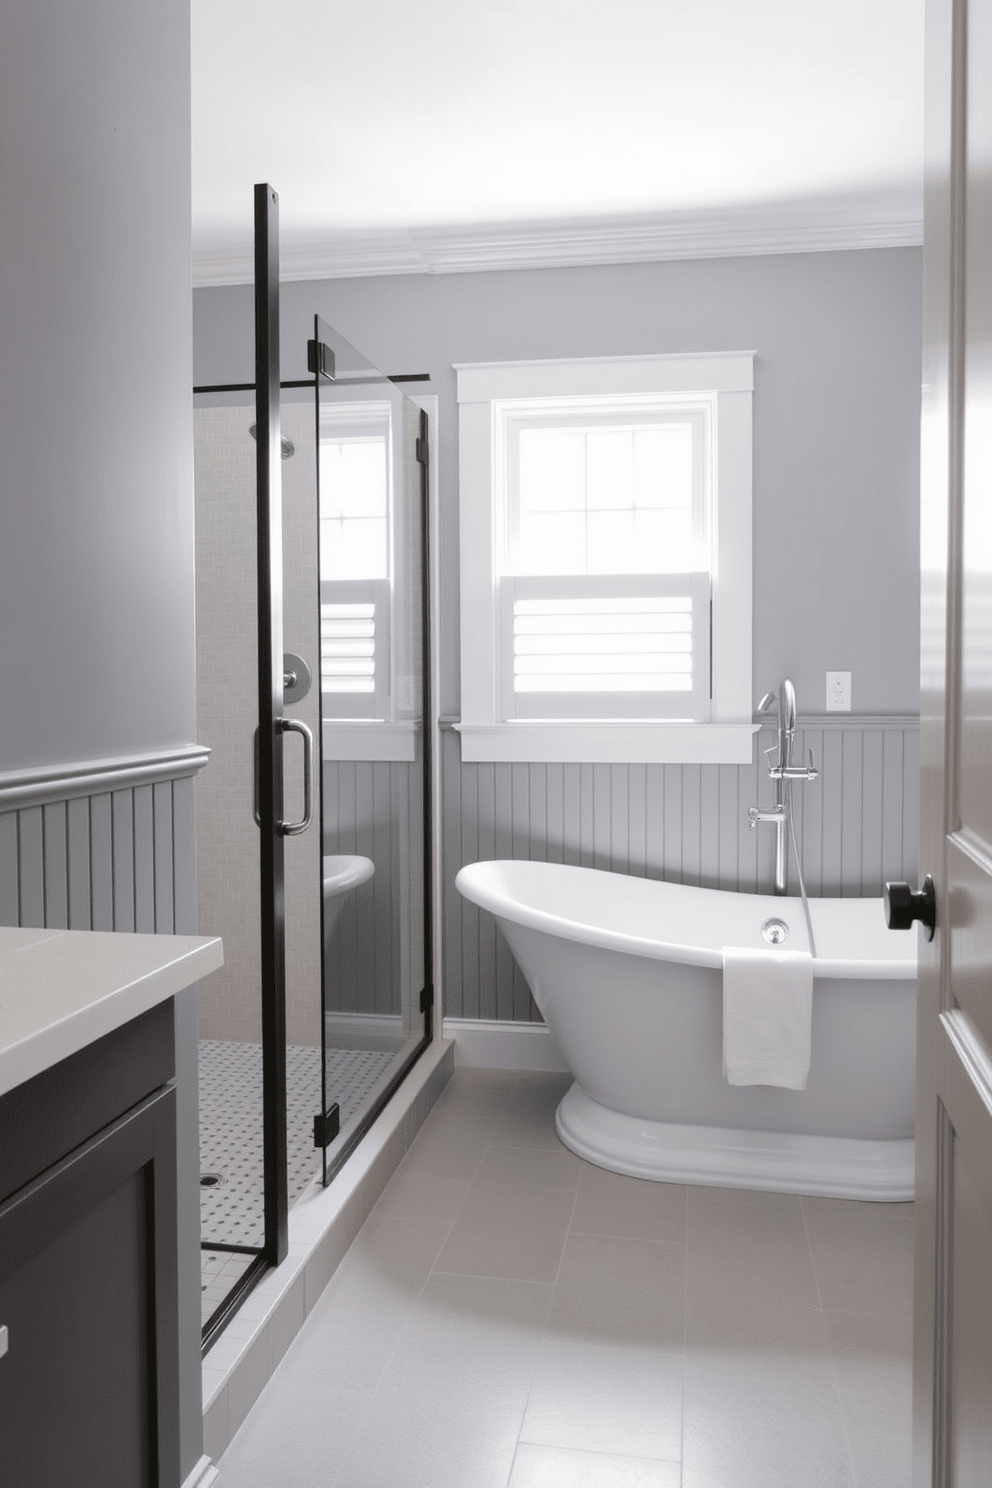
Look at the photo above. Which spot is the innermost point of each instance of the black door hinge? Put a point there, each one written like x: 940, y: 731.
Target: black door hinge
x: 422, y: 451
x: 327, y: 1126
x: 320, y: 359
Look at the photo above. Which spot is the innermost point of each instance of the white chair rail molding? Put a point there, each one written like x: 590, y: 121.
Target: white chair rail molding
x: 605, y: 521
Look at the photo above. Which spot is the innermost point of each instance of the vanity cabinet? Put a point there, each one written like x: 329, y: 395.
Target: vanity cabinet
x: 89, y: 1367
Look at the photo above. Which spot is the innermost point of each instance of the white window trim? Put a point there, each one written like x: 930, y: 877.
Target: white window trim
x: 483, y: 387
x: 371, y: 739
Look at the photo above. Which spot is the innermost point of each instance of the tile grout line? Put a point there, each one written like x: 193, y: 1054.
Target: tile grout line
x: 809, y: 1249
x: 488, y: 1148
x: 432, y: 1272
x: 685, y: 1326
x: 830, y: 1349
x: 544, y: 1329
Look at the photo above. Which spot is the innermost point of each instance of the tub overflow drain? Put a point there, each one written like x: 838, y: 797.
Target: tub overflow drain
x: 775, y: 931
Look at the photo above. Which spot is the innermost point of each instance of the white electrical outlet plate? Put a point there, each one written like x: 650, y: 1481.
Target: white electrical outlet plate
x: 838, y: 692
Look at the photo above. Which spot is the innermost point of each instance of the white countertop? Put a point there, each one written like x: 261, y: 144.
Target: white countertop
x: 63, y: 989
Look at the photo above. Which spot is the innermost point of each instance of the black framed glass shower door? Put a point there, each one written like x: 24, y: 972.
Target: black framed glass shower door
x: 372, y: 455
x: 354, y: 892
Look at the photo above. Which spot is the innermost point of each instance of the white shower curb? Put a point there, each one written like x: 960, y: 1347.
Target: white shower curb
x: 322, y: 1225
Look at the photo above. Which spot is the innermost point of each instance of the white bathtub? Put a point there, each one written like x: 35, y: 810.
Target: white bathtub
x: 628, y: 975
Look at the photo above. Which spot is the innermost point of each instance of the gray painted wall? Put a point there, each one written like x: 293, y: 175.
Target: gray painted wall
x: 836, y: 420
x: 96, y: 565
x: 96, y: 557
x: 836, y: 555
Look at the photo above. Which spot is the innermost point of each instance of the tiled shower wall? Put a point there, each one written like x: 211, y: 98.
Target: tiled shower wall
x: 857, y: 825
x: 227, y: 712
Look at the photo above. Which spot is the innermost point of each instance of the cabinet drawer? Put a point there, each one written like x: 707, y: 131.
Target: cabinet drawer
x: 50, y: 1115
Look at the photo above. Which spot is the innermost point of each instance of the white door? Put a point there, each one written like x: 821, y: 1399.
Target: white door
x: 953, y: 1288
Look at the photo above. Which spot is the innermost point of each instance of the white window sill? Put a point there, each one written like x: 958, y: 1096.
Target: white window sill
x: 630, y: 743
x: 372, y: 739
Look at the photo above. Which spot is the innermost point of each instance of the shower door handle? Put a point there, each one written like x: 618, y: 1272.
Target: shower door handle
x: 297, y: 726
x: 256, y: 810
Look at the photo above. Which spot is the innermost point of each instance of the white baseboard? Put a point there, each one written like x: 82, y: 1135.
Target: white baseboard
x: 204, y: 1475
x: 482, y: 1043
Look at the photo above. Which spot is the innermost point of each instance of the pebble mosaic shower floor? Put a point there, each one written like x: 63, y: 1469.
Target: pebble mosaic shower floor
x: 231, y: 1140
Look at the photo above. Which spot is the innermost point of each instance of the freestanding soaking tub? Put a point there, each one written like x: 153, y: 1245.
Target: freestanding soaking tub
x: 628, y: 975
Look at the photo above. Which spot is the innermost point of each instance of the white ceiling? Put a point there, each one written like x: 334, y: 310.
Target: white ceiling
x: 432, y: 135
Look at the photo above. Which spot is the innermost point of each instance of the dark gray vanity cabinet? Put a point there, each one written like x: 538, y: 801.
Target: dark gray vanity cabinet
x: 89, y: 1374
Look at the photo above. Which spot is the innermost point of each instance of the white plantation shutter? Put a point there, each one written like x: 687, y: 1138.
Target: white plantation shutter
x: 599, y: 646
x: 354, y: 648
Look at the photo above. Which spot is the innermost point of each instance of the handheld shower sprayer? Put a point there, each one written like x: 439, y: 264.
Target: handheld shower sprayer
x: 783, y: 772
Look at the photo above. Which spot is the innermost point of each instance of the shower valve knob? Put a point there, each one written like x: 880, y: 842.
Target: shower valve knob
x: 903, y: 905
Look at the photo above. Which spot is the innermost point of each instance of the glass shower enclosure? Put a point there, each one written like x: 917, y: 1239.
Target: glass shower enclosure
x: 358, y: 956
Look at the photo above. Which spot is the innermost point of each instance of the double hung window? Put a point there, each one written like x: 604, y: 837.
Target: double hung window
x: 605, y: 559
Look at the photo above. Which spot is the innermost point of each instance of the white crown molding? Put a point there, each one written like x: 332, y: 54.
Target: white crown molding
x: 813, y: 227
x: 318, y: 256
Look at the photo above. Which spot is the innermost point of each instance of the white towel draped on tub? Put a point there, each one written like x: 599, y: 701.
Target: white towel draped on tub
x: 767, y: 1007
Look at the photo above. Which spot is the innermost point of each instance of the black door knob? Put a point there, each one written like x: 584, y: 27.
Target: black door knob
x: 903, y: 905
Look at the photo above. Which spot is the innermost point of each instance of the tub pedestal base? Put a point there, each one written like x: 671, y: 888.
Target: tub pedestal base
x: 785, y: 1162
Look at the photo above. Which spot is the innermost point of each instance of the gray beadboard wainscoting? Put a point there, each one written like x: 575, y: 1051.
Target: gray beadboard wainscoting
x: 857, y: 825
x: 373, y: 807
x: 102, y: 845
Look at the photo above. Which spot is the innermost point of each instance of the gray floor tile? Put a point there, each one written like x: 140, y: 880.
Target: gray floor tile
x: 596, y: 1399
x: 613, y: 1204
x: 529, y: 1117
x: 862, y: 1254
x: 582, y: 1328
x: 421, y: 1196
x: 397, y: 1247
x: 278, y: 1443
x: 882, y: 1461
x: 615, y: 1290
x: 513, y: 1231
x: 362, y: 1312
x: 764, y: 1359
x: 557, y: 1467
x: 406, y: 1441
x: 472, y: 1344
x: 762, y: 1450
x: 452, y: 1149
x: 495, y: 1303
x: 483, y: 1094
x: 749, y: 1246
x: 873, y: 1360
x: 541, y: 1167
